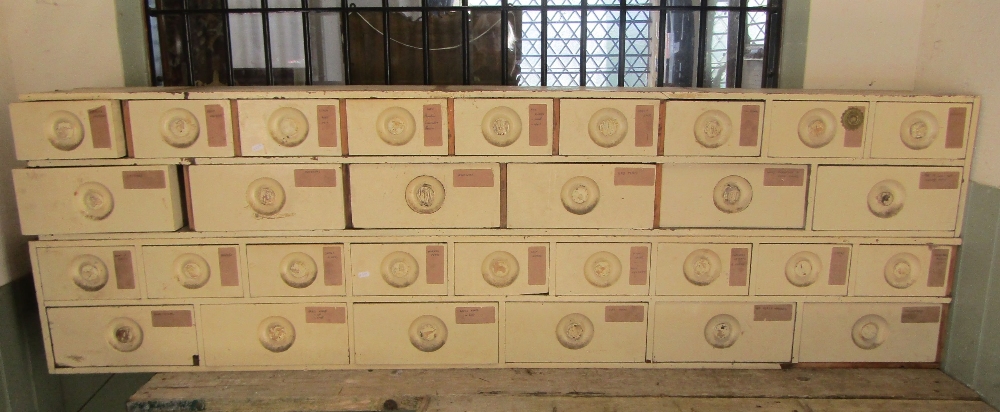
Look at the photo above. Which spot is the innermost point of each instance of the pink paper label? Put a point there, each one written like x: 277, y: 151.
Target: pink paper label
x: 940, y: 180
x: 635, y: 176
x: 749, y: 124
x: 644, y: 125
x: 433, y: 125
x: 472, y: 315
x: 773, y: 313
x: 326, y: 117
x: 326, y: 314
x: 955, y: 135
x: 537, y: 264
x: 624, y: 313
x: 856, y: 137
x: 124, y: 273
x: 921, y: 314
x: 229, y: 266
x: 435, y: 264
x: 315, y: 177
x: 784, y: 176
x: 638, y: 271
x: 215, y: 117
x: 333, y: 266
x: 144, y: 179
x: 840, y: 260
x: 739, y: 261
x: 473, y: 177
x: 172, y: 319
x: 940, y: 262
x: 100, y: 127
x: 538, y: 125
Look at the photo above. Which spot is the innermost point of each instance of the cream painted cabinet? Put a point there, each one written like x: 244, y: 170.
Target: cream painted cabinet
x: 703, y: 269
x: 921, y: 130
x: 192, y: 271
x: 558, y: 332
x: 501, y: 268
x: 296, y: 269
x: 425, y: 195
x: 98, y: 199
x: 723, y: 332
x: 289, y: 127
x: 602, y: 268
x: 180, y: 128
x: 869, y: 332
x: 618, y: 127
x: 406, y: 269
x: 464, y: 333
x: 503, y: 126
x: 903, y: 270
x: 88, y: 273
x: 82, y: 129
x: 809, y: 128
x: 387, y: 127
x: 266, y: 197
x: 787, y: 269
x: 713, y: 128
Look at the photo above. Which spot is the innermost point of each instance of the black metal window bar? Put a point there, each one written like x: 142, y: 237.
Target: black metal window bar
x: 630, y: 43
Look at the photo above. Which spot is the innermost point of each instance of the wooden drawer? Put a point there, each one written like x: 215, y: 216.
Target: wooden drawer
x: 723, y: 332
x: 289, y: 127
x: 608, y: 127
x: 83, y: 129
x: 602, y: 268
x: 501, y: 268
x: 192, y: 271
x: 397, y: 127
x: 98, y: 199
x: 88, y: 273
x: 818, y: 128
x: 425, y: 195
x: 406, y: 269
x: 580, y: 195
x: 575, y: 332
x: 180, y: 128
x: 503, y: 127
x: 801, y: 269
x: 921, y: 130
x: 123, y: 336
x: 703, y: 269
x: 296, y: 270
x: 733, y: 196
x: 869, y: 332
x: 266, y: 197
x: 300, y: 334
x: 426, y: 333
x: 713, y: 128
x: 902, y: 270
x: 887, y: 198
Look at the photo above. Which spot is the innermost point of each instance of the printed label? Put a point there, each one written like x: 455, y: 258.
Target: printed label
x: 537, y: 264
x: 624, y: 313
x: 326, y: 314
x: 144, y: 179
x: 773, y: 313
x: 940, y: 262
x: 784, y: 176
x: 326, y: 118
x: 473, y: 177
x: 921, y: 314
x: 749, y: 124
x: 739, y: 261
x: 124, y: 273
x: 840, y: 260
x: 635, y: 176
x: 433, y: 125
x: 538, y: 125
x: 229, y: 266
x: 315, y: 177
x: 638, y: 268
x: 644, y: 125
x: 940, y: 180
x: 955, y: 135
x: 435, y: 265
x: 100, y: 127
x: 856, y: 137
x: 472, y: 315
x: 215, y: 118
x: 333, y: 266
x: 172, y: 319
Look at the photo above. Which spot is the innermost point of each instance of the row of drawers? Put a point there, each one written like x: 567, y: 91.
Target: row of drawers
x: 477, y: 333
x: 487, y: 195
x: 492, y: 269
x: 315, y: 127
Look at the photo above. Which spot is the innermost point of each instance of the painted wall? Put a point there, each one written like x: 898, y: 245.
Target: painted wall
x: 13, y: 259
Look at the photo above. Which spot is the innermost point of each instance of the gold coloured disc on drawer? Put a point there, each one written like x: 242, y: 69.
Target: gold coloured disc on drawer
x: 94, y: 200
x: 63, y: 130
x: 266, y: 196
x: 870, y: 332
x: 288, y: 126
x: 179, y: 128
x: 803, y: 269
x: 580, y: 195
x: 886, y: 198
x: 918, y: 130
x: 574, y: 331
x: 298, y: 270
x: 425, y: 194
x: 732, y: 194
x: 395, y: 126
x: 853, y: 118
x: 602, y: 269
x: 501, y: 126
x: 88, y: 272
x: 817, y: 128
x: 428, y: 333
x: 191, y: 270
x: 500, y: 269
x: 399, y: 269
x: 702, y: 267
x: 608, y: 127
x: 901, y: 270
x: 713, y: 128
x: 276, y: 334
x: 722, y: 331
x: 124, y: 334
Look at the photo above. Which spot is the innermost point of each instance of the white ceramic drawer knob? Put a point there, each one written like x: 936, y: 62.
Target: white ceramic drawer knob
x: 399, y: 269
x: 298, y: 270
x: 428, y: 333
x: 918, y: 130
x: 886, y: 198
x: 575, y: 331
x: 608, y: 127
x: 276, y: 334
x: 580, y: 195
x: 425, y: 194
x: 266, y: 196
x: 732, y: 194
x: 395, y: 126
x: 602, y: 269
x: 501, y: 126
x: 817, y: 128
x: 870, y: 332
x: 179, y: 128
x: 88, y: 272
x: 803, y: 269
x: 712, y: 129
x: 288, y: 126
x: 94, y: 200
x: 63, y: 130
x: 702, y: 267
x: 500, y: 269
x: 722, y: 331
x: 124, y: 335
x: 191, y: 271
x: 901, y: 270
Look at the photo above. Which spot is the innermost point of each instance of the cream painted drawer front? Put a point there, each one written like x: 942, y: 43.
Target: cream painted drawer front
x: 887, y: 198
x: 801, y: 269
x: 397, y: 127
x: 98, y: 199
x: 818, y: 128
x: 713, y: 128
x: 88, y: 273
x: 575, y: 332
x: 123, y: 336
x: 702, y: 269
x: 289, y: 127
x: 503, y: 127
x: 723, y: 332
x: 181, y: 128
x: 399, y: 269
x: 275, y: 334
x: 426, y: 333
x: 608, y: 127
x: 580, y: 195
x: 721, y: 196
x: 196, y: 271
x: 425, y: 195
x: 602, y: 268
x: 921, y: 130
x: 869, y: 332
x: 501, y: 268
x: 296, y: 270
x: 902, y: 270
x: 84, y: 129
x: 267, y: 197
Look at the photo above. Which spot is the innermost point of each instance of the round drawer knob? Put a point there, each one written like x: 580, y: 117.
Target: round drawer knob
x: 88, y: 272
x: 395, y: 126
x: 853, y: 118
x: 722, y: 331
x: 124, y: 334
x: 191, y: 270
x: 803, y: 269
x: 918, y: 130
x: 288, y: 126
x: 428, y: 333
x: 817, y: 128
x: 425, y: 194
x: 276, y: 334
x: 608, y: 127
x: 266, y: 196
x: 400, y: 269
x: 500, y: 269
x: 501, y: 126
x: 712, y: 129
x: 179, y: 128
x: 298, y: 270
x: 886, y: 198
x: 901, y: 270
x: 732, y: 194
x: 602, y: 269
x: 63, y: 130
x: 702, y: 267
x: 574, y: 331
x: 870, y: 332
x: 580, y: 195
x: 94, y: 200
